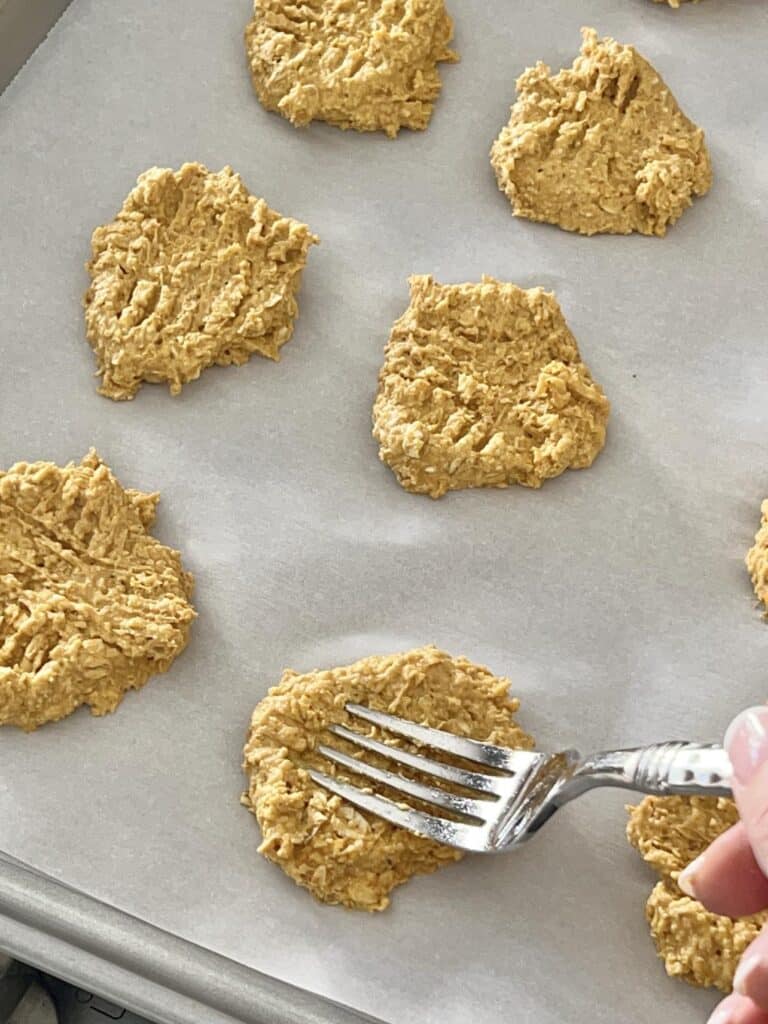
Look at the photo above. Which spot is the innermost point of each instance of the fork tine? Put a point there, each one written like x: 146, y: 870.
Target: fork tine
x: 429, y: 794
x: 464, y: 837
x: 459, y: 776
x: 439, y: 739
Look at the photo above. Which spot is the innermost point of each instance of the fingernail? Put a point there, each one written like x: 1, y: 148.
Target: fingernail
x: 746, y: 742
x: 721, y: 1016
x: 745, y: 973
x: 686, y: 880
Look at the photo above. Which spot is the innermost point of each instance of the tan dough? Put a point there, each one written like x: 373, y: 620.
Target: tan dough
x: 340, y: 854
x: 696, y: 945
x: 92, y: 604
x: 483, y: 386
x: 601, y: 146
x: 194, y: 271
x: 757, y: 559
x: 370, y: 65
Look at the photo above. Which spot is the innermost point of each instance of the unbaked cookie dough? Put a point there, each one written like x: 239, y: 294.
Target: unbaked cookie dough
x: 370, y: 65
x: 343, y: 855
x: 696, y: 945
x: 600, y: 147
x: 92, y: 604
x: 483, y: 386
x: 757, y: 559
x: 194, y: 271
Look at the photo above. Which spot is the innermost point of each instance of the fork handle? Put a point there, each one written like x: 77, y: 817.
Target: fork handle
x: 675, y: 768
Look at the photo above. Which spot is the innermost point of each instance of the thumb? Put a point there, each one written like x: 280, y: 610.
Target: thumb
x: 746, y: 742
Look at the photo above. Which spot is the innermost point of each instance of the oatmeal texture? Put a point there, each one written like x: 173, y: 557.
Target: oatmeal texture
x: 343, y: 855
x: 601, y: 146
x: 194, y: 271
x: 757, y: 559
x: 696, y: 945
x: 92, y: 604
x: 371, y: 65
x: 483, y: 386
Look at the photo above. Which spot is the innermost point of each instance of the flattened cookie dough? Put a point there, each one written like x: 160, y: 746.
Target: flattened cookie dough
x: 483, y: 386
x: 194, y: 271
x: 601, y: 146
x: 696, y: 945
x: 92, y: 604
x: 757, y: 559
x: 370, y: 65
x: 343, y: 855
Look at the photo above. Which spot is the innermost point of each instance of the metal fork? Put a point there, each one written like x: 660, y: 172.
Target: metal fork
x: 524, y: 788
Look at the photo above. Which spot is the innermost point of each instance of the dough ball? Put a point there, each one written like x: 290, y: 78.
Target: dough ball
x: 92, y: 604
x: 483, y: 386
x: 370, y: 65
x: 343, y: 855
x: 600, y: 147
x: 700, y: 947
x: 669, y: 832
x: 757, y: 559
x: 194, y: 271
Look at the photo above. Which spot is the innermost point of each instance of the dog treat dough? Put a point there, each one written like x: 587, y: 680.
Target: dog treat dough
x: 92, y: 604
x: 370, y: 65
x: 341, y: 854
x: 600, y: 147
x: 483, y: 386
x: 696, y: 945
x: 194, y: 271
x: 757, y: 559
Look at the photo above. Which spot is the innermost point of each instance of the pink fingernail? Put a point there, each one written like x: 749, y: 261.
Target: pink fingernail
x: 721, y: 1016
x: 746, y: 742
x: 745, y: 972
x: 686, y: 880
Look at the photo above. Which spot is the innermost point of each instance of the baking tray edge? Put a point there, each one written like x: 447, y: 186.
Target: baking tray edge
x: 90, y: 944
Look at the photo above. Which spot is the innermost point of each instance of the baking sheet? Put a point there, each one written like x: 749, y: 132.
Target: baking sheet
x: 616, y: 598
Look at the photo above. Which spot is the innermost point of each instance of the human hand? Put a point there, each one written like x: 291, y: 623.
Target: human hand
x: 731, y: 876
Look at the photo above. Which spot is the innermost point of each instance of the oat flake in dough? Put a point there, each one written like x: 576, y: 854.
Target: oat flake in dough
x: 343, y: 855
x: 483, y: 386
x: 601, y: 146
x: 757, y: 559
x: 696, y: 945
x: 370, y: 65
x: 194, y: 271
x: 92, y: 604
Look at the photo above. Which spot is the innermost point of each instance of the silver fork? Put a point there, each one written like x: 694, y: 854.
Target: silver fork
x: 523, y: 790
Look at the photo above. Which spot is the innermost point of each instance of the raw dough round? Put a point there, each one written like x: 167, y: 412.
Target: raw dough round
x: 757, y: 559
x: 92, y: 604
x: 370, y: 65
x: 483, y: 386
x: 696, y: 945
x: 600, y: 147
x: 194, y: 271
x: 340, y: 854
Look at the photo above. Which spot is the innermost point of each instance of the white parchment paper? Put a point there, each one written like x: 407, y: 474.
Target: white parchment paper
x: 616, y: 599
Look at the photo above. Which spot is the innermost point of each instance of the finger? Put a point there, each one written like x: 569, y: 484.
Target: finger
x: 751, y: 978
x: 726, y: 878
x: 736, y: 1009
x: 747, y: 744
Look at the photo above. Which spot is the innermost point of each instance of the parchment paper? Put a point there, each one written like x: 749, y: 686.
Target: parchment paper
x: 616, y: 598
